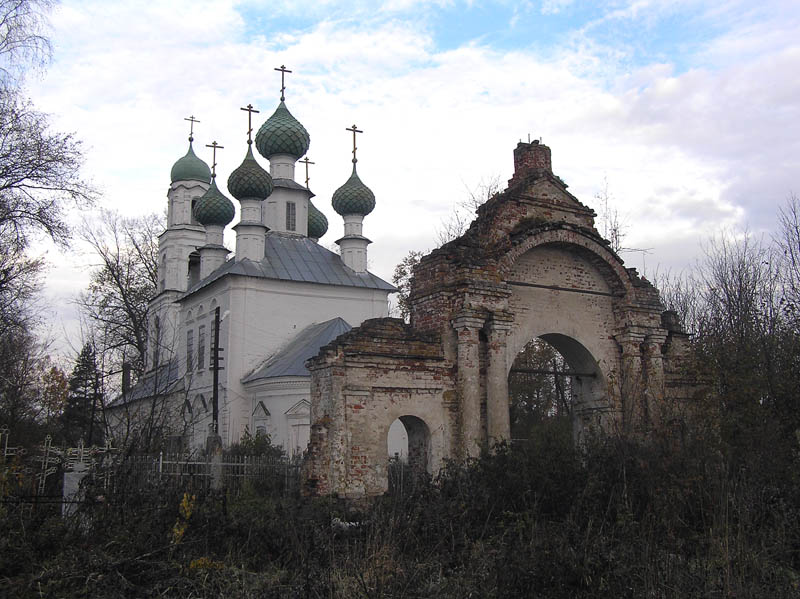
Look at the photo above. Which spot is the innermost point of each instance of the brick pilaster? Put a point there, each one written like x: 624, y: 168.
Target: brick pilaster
x: 467, y: 326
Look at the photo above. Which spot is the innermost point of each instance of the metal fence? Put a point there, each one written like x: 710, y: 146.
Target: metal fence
x: 232, y: 473
x: 48, y: 475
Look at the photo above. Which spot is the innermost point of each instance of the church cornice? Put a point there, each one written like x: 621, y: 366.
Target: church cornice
x: 301, y: 383
x: 183, y: 227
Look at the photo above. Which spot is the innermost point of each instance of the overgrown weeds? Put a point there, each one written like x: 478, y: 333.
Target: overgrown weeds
x: 618, y: 519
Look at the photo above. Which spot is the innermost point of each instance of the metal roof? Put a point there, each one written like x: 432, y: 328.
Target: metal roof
x: 291, y: 360
x: 295, y: 258
x: 161, y: 381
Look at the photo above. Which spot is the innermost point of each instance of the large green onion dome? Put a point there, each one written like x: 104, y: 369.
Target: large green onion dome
x: 214, y: 208
x: 190, y: 167
x: 317, y: 223
x: 353, y: 197
x: 249, y: 180
x: 282, y: 134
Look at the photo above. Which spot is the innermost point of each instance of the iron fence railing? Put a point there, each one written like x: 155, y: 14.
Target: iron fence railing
x: 47, y: 475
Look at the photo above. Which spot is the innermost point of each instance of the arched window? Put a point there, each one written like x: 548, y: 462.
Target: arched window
x: 201, y: 347
x: 189, y: 350
x: 156, y: 340
x: 193, y: 273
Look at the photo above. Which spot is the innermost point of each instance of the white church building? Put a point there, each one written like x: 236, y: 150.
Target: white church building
x: 280, y: 295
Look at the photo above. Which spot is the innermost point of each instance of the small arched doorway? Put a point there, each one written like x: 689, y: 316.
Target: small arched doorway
x: 555, y: 383
x: 409, y: 451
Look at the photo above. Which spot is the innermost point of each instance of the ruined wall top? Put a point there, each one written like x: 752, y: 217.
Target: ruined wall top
x: 380, y: 337
x: 531, y: 158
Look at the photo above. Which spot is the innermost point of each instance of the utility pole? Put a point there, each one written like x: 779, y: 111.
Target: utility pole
x: 214, y: 443
x: 216, y: 358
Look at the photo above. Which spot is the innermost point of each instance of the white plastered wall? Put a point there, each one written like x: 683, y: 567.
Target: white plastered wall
x: 260, y: 317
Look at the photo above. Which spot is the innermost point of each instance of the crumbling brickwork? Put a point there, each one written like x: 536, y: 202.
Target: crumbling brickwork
x: 531, y: 265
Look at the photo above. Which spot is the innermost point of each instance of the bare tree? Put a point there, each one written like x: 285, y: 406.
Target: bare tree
x: 788, y: 241
x: 31, y: 392
x: 401, y: 278
x: 611, y: 225
x: 122, y: 284
x: 39, y: 172
x: 681, y: 294
x: 20, y: 279
x: 23, y: 43
x: 464, y: 211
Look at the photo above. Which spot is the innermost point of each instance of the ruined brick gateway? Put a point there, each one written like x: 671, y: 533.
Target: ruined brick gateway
x: 531, y: 265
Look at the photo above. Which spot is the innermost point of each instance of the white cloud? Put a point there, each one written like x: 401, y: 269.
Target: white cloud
x: 683, y: 153
x: 552, y: 7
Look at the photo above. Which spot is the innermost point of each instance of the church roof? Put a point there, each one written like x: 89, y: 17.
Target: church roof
x: 190, y: 167
x: 214, y: 207
x: 291, y: 360
x: 353, y: 197
x: 317, y: 222
x: 159, y: 381
x: 282, y: 134
x: 295, y: 258
x: 249, y: 180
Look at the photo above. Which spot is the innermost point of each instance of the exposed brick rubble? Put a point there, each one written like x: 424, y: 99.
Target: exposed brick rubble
x: 531, y: 265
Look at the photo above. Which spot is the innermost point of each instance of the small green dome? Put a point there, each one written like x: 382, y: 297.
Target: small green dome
x: 353, y: 197
x: 249, y: 180
x: 190, y: 167
x: 213, y: 208
x: 317, y: 223
x: 282, y: 134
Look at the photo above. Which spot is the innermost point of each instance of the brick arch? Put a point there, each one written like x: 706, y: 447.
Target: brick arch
x: 419, y: 435
x: 595, y: 401
x: 606, y: 262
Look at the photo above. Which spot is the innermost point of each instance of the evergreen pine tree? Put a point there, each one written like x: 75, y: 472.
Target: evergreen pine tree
x: 82, y: 415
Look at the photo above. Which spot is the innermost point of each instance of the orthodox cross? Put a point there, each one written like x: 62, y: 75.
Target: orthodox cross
x: 250, y: 110
x: 283, y: 71
x: 306, y: 161
x: 214, y: 146
x: 192, y: 121
x: 354, y: 130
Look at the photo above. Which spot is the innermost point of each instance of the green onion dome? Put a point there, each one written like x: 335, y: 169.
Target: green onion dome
x: 282, y: 134
x: 353, y: 197
x: 317, y: 223
x: 214, y: 208
x: 190, y: 167
x: 249, y: 180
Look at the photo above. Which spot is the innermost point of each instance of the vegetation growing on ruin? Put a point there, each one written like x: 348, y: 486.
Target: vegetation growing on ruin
x: 680, y: 516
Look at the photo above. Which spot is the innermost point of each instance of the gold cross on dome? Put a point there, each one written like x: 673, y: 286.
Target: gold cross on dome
x: 283, y: 71
x: 250, y: 110
x: 306, y: 161
x: 355, y: 130
x: 192, y: 121
x: 214, y: 146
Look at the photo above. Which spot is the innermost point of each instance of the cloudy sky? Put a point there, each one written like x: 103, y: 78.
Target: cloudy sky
x: 687, y: 110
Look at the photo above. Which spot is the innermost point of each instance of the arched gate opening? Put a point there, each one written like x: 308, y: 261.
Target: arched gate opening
x: 409, y: 451
x: 554, y: 383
